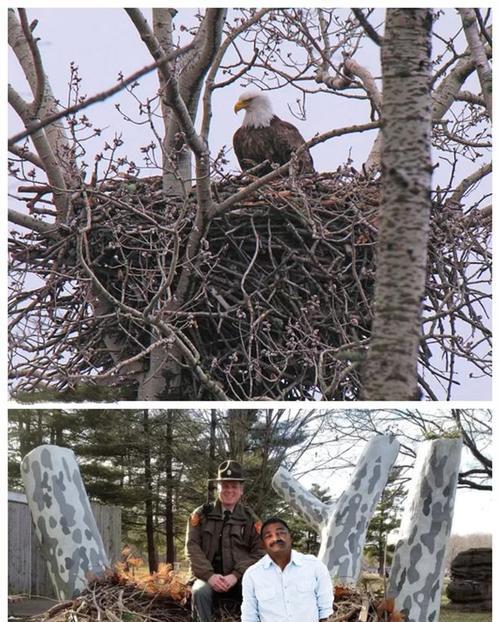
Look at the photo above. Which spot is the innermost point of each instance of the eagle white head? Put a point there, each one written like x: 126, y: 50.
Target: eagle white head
x: 257, y: 106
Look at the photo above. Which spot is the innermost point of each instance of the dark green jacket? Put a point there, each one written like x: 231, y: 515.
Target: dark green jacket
x: 240, y: 540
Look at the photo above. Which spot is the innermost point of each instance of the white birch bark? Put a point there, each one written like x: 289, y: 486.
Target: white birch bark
x: 342, y: 526
x: 479, y: 57
x: 63, y: 519
x: 55, y: 133
x: 390, y: 368
x: 416, y: 579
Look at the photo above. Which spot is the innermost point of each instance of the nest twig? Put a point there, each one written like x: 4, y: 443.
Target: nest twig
x: 118, y: 597
x: 278, y: 300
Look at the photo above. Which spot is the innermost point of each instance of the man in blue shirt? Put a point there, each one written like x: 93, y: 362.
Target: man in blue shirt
x: 285, y: 585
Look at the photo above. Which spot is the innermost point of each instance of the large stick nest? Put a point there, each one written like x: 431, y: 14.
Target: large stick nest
x: 278, y: 303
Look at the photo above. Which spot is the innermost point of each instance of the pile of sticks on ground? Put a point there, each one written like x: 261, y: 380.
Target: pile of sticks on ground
x: 278, y: 303
x: 352, y: 604
x: 118, y: 597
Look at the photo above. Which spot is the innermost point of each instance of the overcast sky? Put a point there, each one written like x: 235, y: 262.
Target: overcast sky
x: 103, y: 42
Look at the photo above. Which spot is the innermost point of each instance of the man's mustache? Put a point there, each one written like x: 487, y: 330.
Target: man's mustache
x: 278, y: 542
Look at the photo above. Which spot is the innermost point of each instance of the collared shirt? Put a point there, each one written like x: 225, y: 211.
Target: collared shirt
x: 302, y: 592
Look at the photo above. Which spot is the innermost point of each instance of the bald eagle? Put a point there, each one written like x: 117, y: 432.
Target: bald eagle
x: 264, y: 136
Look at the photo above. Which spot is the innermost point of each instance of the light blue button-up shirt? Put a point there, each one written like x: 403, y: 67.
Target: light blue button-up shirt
x: 302, y: 592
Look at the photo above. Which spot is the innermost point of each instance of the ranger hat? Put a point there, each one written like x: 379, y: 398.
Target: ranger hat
x: 229, y: 471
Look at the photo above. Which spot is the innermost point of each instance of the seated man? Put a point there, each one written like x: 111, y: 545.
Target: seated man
x: 222, y: 542
x: 285, y: 585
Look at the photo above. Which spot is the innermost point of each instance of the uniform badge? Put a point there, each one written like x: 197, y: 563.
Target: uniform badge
x: 195, y: 519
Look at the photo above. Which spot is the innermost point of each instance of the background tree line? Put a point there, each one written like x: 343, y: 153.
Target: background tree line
x: 155, y: 464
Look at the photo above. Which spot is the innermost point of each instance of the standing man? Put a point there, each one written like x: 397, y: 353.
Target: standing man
x: 285, y: 585
x: 222, y: 542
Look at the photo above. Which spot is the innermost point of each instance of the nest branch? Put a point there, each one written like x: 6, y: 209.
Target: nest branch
x: 278, y: 300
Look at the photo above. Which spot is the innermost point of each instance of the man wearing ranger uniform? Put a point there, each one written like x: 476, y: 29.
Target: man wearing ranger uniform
x: 222, y: 542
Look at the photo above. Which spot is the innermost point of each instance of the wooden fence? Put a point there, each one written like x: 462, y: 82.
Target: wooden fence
x: 28, y: 572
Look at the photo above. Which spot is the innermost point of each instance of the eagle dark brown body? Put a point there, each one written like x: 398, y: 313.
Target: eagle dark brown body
x: 275, y: 142
x: 264, y: 136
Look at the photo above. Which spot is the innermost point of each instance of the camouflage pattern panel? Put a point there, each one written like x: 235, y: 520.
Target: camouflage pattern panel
x: 342, y: 526
x: 63, y: 520
x: 416, y: 578
x: 310, y: 508
x: 343, y: 537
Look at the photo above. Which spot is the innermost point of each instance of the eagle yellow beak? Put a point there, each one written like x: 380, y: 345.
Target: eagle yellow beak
x: 240, y: 105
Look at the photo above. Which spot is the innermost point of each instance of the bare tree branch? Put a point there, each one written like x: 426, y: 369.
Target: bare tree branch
x: 55, y: 132
x: 210, y: 80
x: 479, y: 57
x: 37, y: 62
x: 42, y: 123
x: 444, y: 95
x: 49, y: 231
x: 468, y: 182
x: 26, y: 154
x: 51, y: 164
x: 367, y: 27
x: 482, y: 27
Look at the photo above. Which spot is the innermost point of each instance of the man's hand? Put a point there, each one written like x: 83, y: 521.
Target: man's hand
x: 218, y: 583
x: 230, y: 580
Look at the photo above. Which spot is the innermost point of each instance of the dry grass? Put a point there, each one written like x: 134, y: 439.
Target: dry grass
x: 463, y: 616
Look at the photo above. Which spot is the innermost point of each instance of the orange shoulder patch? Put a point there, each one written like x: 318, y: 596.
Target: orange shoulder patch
x: 258, y: 526
x: 195, y: 519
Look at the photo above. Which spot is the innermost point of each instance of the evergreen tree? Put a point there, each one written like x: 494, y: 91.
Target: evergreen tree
x: 155, y: 464
x: 385, y: 520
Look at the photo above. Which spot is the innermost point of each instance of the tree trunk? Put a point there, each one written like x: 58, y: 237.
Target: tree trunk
x: 265, y: 450
x: 39, y: 429
x: 169, y: 496
x: 416, y: 579
x: 148, y: 482
x: 64, y: 523
x: 238, y: 421
x: 24, y: 430
x: 212, y: 467
x: 390, y: 368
